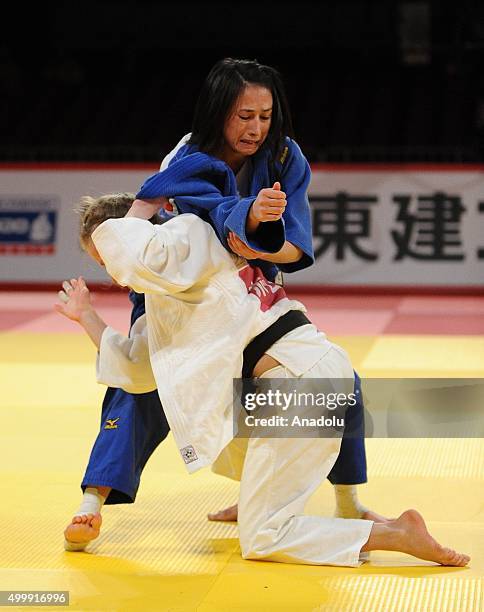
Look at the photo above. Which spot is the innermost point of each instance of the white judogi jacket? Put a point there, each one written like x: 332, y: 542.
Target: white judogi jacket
x: 203, y: 306
x: 124, y: 361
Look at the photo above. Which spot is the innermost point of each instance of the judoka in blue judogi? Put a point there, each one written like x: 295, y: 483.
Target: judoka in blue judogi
x: 204, y: 185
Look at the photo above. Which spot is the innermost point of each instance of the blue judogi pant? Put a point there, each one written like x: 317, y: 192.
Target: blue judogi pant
x: 132, y: 426
x: 350, y: 467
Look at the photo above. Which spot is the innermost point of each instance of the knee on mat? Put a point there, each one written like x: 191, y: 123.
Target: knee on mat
x: 251, y: 550
x: 256, y: 544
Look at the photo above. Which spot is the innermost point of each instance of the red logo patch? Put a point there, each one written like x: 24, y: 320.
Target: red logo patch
x: 257, y: 284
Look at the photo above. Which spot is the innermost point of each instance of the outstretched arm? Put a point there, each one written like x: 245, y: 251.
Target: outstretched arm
x: 122, y: 361
x: 76, y: 305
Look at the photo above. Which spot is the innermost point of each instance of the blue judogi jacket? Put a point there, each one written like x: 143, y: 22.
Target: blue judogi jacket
x: 138, y: 301
x: 206, y: 186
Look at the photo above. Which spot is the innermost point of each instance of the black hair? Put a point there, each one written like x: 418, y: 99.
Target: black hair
x: 222, y: 87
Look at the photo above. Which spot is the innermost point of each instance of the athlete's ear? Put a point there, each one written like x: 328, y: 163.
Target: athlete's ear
x: 168, y: 206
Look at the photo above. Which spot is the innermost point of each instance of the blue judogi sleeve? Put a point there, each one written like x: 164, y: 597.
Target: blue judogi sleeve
x: 207, y: 187
x: 295, y: 178
x: 269, y: 237
x: 294, y: 173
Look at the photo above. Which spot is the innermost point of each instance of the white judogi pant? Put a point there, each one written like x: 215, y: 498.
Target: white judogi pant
x: 278, y: 476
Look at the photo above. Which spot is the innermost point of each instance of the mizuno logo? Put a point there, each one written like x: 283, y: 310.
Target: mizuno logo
x: 111, y: 423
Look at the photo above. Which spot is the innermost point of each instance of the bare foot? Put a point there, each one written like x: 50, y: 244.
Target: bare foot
x: 409, y: 534
x: 227, y: 515
x: 83, y: 528
x: 419, y: 543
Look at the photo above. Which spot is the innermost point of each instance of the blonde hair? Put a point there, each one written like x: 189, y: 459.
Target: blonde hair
x: 93, y: 211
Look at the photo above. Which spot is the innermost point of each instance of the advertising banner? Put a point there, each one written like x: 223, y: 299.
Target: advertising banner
x: 391, y: 227
x: 372, y: 226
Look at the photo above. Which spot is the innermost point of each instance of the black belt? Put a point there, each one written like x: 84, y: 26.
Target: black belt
x: 263, y: 342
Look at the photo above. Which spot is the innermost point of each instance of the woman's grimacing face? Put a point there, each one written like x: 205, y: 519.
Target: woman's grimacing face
x: 248, y: 123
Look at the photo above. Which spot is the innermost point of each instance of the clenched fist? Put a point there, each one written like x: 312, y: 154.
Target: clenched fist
x: 269, y: 204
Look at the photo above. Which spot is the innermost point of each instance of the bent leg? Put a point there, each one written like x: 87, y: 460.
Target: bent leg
x: 132, y: 426
x: 349, y: 470
x: 279, y: 477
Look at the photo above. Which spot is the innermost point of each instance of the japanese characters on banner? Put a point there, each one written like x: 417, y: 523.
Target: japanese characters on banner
x: 372, y: 227
x: 411, y: 228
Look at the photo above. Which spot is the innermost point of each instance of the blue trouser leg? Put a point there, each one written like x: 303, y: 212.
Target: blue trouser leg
x: 350, y: 467
x: 132, y: 426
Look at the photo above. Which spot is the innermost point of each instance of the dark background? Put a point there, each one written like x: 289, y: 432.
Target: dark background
x: 367, y: 81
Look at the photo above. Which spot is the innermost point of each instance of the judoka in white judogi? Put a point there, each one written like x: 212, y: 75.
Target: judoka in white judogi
x: 203, y: 306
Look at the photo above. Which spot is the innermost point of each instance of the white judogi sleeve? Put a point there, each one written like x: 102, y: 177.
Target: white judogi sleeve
x: 124, y: 362
x: 166, y: 259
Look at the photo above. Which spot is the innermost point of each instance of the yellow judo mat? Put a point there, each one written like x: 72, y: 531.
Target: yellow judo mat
x: 162, y: 554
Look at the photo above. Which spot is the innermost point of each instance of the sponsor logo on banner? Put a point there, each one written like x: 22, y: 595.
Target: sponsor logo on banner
x: 28, y: 225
